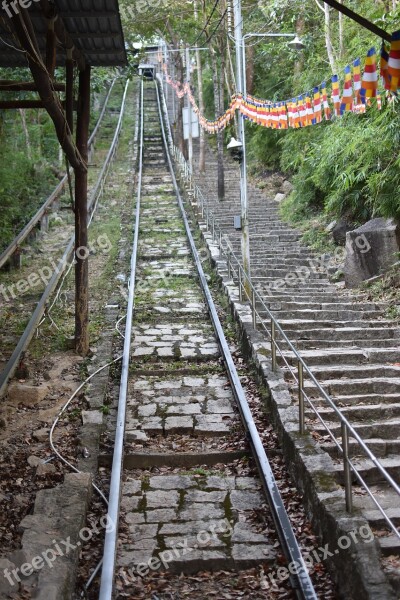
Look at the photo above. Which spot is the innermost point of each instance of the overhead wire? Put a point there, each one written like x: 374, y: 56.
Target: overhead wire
x: 217, y: 27
x: 207, y: 22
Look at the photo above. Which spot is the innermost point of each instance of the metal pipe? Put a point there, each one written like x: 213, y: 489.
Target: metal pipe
x: 273, y: 346
x: 301, y: 398
x: 253, y: 309
x: 346, y: 468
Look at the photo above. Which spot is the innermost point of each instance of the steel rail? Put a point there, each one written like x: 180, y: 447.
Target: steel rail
x: 255, y: 297
x: 301, y: 581
x: 111, y: 536
x: 23, y: 234
x: 40, y: 309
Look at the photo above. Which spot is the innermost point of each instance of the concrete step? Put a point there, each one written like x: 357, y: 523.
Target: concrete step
x: 306, y: 330
x: 358, y: 371
x: 375, y: 385
x: 380, y: 448
x: 369, y: 472
x: 335, y: 356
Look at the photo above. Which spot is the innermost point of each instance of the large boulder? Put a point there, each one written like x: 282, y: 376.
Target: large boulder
x: 371, y: 250
x: 338, y: 230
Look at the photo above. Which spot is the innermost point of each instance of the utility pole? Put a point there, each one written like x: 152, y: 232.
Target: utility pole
x: 240, y: 80
x: 189, y: 109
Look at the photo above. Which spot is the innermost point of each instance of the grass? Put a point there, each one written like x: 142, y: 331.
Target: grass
x: 386, y: 289
x: 311, y: 226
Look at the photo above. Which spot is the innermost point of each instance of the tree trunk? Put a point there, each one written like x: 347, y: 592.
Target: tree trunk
x: 202, y: 149
x: 220, y: 135
x: 341, y: 33
x: 22, y: 114
x: 328, y: 41
x: 250, y: 70
x: 180, y: 142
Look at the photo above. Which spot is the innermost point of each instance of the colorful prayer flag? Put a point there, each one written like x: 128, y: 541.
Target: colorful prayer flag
x: 357, y: 78
x: 384, y: 66
x: 327, y: 108
x: 346, y: 103
x: 336, y: 94
x: 369, y: 83
x: 394, y: 63
x: 317, y: 117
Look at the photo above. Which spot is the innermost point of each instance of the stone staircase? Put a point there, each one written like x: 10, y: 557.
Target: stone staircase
x: 351, y: 348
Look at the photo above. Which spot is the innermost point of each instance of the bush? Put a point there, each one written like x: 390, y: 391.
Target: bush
x: 349, y: 167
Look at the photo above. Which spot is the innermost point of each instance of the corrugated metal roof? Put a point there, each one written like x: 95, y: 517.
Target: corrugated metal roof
x: 94, y: 26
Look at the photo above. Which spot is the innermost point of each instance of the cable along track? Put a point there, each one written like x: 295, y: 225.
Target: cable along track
x: 179, y: 411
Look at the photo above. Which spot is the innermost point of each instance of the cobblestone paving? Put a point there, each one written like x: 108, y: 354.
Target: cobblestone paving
x: 178, y: 390
x: 187, y: 521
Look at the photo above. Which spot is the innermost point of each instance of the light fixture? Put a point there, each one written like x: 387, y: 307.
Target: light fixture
x: 236, y: 149
x: 296, y: 43
x: 234, y: 144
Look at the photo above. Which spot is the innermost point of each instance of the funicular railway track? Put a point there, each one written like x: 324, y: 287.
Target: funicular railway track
x: 26, y: 293
x: 183, y: 418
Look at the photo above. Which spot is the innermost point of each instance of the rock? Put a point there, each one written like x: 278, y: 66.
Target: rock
x: 28, y: 395
x: 94, y: 417
x: 34, y: 461
x: 279, y: 197
x: 371, y: 250
x: 330, y: 227
x: 41, y: 435
x: 3, y: 423
x: 45, y: 469
x: 139, y: 436
x: 287, y: 187
x: 339, y: 231
x: 8, y: 585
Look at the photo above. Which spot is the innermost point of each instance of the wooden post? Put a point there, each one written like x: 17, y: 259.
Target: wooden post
x: 69, y: 97
x: 81, y: 219
x: 51, y: 49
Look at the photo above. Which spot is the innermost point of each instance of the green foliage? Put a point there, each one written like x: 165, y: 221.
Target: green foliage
x: 22, y: 185
x: 347, y: 168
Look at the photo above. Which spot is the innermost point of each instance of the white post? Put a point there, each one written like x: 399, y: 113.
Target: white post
x: 240, y: 78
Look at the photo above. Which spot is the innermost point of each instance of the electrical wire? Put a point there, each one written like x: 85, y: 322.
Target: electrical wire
x: 207, y: 22
x: 11, y: 46
x: 62, y: 411
x: 217, y: 27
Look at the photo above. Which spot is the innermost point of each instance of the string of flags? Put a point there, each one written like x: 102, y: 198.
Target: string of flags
x: 313, y: 107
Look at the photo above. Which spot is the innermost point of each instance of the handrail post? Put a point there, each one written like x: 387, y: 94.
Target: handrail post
x: 346, y: 468
x: 253, y: 308
x: 240, y: 286
x: 301, y: 398
x: 228, y: 260
x: 273, y: 347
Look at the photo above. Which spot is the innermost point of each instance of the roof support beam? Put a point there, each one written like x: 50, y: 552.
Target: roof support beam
x: 15, y: 104
x: 81, y: 219
x: 51, y: 48
x: 25, y: 86
x: 61, y: 33
x: 359, y: 19
x: 26, y: 36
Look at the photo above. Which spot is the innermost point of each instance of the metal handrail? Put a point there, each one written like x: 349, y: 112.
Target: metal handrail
x: 66, y: 259
x: 271, y: 329
x: 23, y: 234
